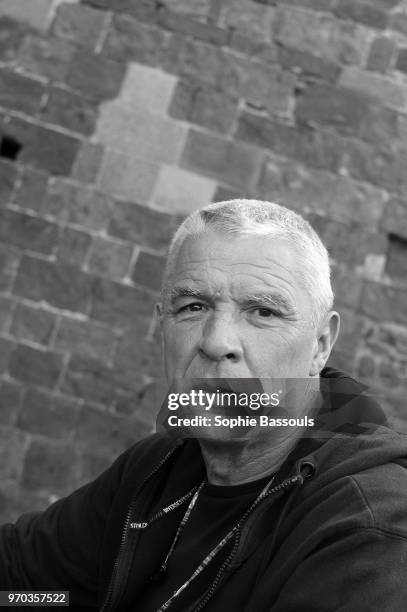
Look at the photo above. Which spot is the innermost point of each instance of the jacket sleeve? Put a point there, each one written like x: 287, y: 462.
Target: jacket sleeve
x: 60, y: 547
x: 364, y: 570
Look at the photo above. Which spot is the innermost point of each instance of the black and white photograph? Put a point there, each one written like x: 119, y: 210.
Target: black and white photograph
x: 203, y: 305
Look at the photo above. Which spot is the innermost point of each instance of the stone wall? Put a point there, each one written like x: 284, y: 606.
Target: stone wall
x: 117, y: 118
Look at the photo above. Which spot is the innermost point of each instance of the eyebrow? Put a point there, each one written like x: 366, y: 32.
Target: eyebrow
x: 276, y: 301
x: 180, y: 292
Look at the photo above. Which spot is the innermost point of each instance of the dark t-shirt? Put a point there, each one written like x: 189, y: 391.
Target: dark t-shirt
x: 217, y: 510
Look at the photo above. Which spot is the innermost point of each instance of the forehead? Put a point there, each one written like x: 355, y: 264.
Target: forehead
x: 213, y: 259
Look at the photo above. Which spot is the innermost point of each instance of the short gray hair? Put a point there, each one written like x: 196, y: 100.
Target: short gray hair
x: 244, y: 217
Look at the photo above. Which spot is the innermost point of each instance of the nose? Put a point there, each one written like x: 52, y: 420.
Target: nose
x: 220, y: 340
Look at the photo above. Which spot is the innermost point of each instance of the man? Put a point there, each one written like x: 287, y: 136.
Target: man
x: 276, y: 518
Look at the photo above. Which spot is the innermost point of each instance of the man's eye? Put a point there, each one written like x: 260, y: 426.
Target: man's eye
x: 194, y: 307
x: 265, y: 313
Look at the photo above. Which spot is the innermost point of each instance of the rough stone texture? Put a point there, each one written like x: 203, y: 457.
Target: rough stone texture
x: 118, y: 118
x: 232, y: 162
x: 48, y: 414
x: 32, y: 324
x: 85, y: 338
x: 35, y: 13
x: 148, y: 270
x: 62, y: 285
x: 179, y: 190
x: 37, y: 367
x: 72, y: 203
x: 27, y: 232
x: 109, y: 258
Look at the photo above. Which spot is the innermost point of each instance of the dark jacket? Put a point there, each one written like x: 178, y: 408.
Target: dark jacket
x: 331, y: 536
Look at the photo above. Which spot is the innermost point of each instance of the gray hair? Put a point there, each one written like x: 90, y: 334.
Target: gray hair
x: 244, y: 217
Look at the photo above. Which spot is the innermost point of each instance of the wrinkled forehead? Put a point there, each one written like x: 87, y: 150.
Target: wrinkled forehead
x: 213, y: 258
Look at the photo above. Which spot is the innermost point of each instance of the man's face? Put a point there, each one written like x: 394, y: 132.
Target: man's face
x: 236, y: 307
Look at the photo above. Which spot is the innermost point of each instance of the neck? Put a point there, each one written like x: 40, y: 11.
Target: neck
x: 238, y: 462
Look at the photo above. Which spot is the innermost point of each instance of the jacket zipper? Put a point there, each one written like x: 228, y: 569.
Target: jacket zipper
x: 283, y: 485
x: 119, y: 576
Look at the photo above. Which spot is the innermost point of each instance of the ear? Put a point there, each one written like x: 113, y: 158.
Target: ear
x: 327, y: 334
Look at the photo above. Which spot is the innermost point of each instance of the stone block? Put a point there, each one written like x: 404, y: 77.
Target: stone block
x: 339, y: 107
x: 185, y: 24
x: 140, y: 134
x: 362, y: 12
x: 46, y: 57
x: 386, y: 90
x: 129, y: 40
x: 398, y: 21
x: 402, y: 60
x: 260, y: 83
x: 118, y: 305
x: 394, y: 219
x: 51, y: 466
x: 255, y: 49
x: 8, y: 176
x: 35, y: 13
x: 307, y: 189
x: 41, y: 147
x: 73, y: 203
x: 6, y: 349
x: 95, y: 76
x: 81, y: 25
x: 396, y: 265
x: 178, y: 190
x: 214, y: 110
x: 87, y: 163
x: 146, y: 88
x: 28, y: 232
x: 384, y: 303
x: 315, y: 148
x: 148, y: 271
x: 307, y: 64
x: 141, y: 9
x: 350, y: 244
x: 109, y: 258
x: 249, y: 18
x: 136, y: 354
x: 32, y: 189
x: 9, y: 261
x: 322, y: 35
x: 194, y: 8
x: 12, y: 34
x: 13, y: 447
x: 384, y: 127
x: 86, y: 338
x: 381, y: 54
x: 33, y: 324
x: 93, y: 380
x: 10, y: 401
x: 106, y: 432
x: 48, y: 414
x: 228, y: 161
x: 20, y: 93
x: 381, y: 167
x: 126, y: 176
x: 142, y: 225
x: 6, y: 309
x: 73, y: 246
x: 36, y: 367
x: 70, y: 111
x: 60, y: 285
x: 90, y: 381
